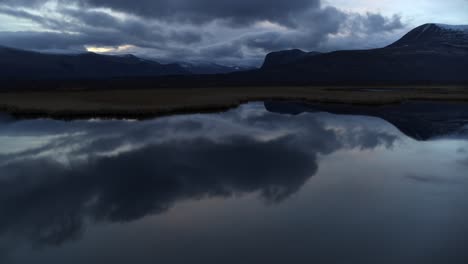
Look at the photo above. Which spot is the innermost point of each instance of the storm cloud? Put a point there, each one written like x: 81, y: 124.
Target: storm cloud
x: 238, y: 12
x: 228, y: 32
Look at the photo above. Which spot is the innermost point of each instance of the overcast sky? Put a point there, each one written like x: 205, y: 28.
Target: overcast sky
x: 223, y: 31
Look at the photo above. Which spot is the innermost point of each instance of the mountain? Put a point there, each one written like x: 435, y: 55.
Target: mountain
x: 281, y: 58
x: 419, y: 120
x: 21, y: 64
x: 434, y: 36
x: 211, y: 68
x: 429, y: 53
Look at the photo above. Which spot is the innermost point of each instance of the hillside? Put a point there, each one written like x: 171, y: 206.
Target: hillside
x: 431, y: 52
x: 21, y: 64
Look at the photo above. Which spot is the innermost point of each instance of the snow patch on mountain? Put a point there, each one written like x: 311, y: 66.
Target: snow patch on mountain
x: 463, y: 28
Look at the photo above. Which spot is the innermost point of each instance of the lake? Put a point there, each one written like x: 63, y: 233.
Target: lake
x: 273, y: 182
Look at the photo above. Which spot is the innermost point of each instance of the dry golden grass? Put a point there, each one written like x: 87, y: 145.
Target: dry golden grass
x: 152, y: 102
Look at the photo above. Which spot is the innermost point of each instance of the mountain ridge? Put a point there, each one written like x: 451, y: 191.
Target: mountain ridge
x: 23, y: 64
x: 432, y: 34
x: 427, y: 53
x: 424, y: 36
x: 430, y: 53
x: 17, y: 64
x: 285, y: 57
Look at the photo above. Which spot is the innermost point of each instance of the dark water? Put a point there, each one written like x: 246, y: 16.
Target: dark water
x: 252, y: 185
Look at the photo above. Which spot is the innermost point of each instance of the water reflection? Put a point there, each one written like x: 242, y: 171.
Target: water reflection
x: 60, y: 179
x: 121, y: 171
x: 418, y: 120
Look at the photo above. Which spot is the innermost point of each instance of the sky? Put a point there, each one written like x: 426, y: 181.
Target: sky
x: 227, y: 32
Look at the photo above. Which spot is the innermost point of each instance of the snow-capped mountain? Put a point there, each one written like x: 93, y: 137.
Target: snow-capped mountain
x: 431, y: 53
x: 454, y: 27
x: 428, y: 53
x: 435, y: 35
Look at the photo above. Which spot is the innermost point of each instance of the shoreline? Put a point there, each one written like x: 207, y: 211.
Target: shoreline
x: 150, y: 103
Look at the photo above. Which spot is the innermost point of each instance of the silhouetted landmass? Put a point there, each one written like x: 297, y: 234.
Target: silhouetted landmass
x: 429, y: 54
x: 282, y: 58
x: 211, y: 68
x: 418, y: 120
x: 432, y: 52
x: 429, y: 63
x: 434, y: 36
x: 20, y: 65
x: 147, y: 103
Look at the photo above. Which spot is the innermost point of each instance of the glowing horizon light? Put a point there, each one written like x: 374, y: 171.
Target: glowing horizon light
x: 266, y: 24
x: 108, y: 49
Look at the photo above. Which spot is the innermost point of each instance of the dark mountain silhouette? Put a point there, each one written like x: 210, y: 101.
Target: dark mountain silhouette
x: 428, y: 54
x: 281, y: 58
x: 434, y: 36
x: 418, y: 120
x: 211, y: 68
x: 431, y: 52
x: 20, y: 64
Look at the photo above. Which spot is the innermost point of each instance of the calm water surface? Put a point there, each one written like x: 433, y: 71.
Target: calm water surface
x: 274, y: 183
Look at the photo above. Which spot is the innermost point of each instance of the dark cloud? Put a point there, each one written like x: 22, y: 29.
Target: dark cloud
x: 238, y: 12
x: 376, y: 23
x: 28, y: 3
x: 233, y: 32
x: 372, y: 23
x: 224, y: 50
x: 44, y: 40
x: 8, y: 10
x: 87, y: 27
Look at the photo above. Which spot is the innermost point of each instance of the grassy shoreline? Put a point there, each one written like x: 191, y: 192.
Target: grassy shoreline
x: 147, y: 103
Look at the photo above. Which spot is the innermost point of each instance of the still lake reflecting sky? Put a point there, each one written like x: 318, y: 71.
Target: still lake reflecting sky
x: 244, y: 186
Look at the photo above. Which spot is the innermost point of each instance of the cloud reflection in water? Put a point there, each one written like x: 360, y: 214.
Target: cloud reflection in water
x: 120, y: 171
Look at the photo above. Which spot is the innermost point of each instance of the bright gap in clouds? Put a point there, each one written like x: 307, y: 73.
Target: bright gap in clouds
x: 268, y: 25
x: 103, y: 49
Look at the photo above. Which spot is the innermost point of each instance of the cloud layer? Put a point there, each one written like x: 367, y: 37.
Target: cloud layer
x: 232, y: 32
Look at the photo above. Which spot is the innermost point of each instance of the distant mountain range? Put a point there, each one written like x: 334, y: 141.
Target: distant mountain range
x: 21, y: 64
x: 428, y: 53
x: 202, y: 67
